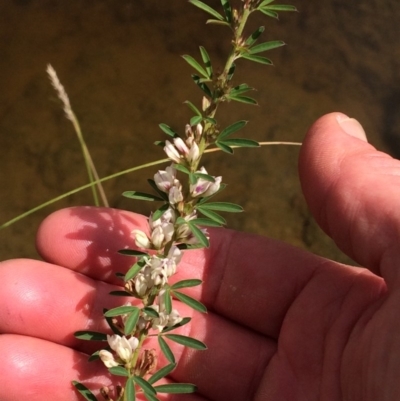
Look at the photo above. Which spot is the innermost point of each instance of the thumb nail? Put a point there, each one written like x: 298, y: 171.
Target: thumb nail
x: 352, y: 127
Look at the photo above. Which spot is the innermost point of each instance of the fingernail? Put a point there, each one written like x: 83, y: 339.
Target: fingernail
x: 352, y: 127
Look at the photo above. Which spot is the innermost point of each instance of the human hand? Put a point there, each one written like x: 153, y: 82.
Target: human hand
x: 283, y: 324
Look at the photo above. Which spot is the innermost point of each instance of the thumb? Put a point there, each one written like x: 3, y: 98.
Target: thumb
x: 353, y: 191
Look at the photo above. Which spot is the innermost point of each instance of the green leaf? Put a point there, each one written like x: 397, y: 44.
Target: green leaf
x: 227, y: 10
x: 132, y: 252
x: 201, y: 237
x: 194, y: 282
x: 150, y: 312
x: 131, y: 321
x: 207, y: 9
x: 145, y: 385
x: 113, y: 326
x: 182, y: 168
x: 217, y: 22
x: 263, y: 47
x: 192, y: 62
x: 257, y: 59
x: 162, y: 373
x: 120, y: 293
x: 206, y: 222
x: 151, y: 397
x: 84, y: 391
x: 193, y: 108
x: 231, y: 71
x: 168, y: 301
x: 223, y: 207
x: 193, y: 303
x: 231, y: 129
x: 196, y: 120
x: 135, y: 269
x: 243, y: 99
x: 207, y: 61
x: 184, y: 321
x: 176, y: 388
x: 238, y: 90
x: 141, y: 196
x: 254, y: 36
x: 204, y: 177
x: 212, y: 215
x: 281, y: 7
x: 272, y: 14
x: 166, y: 350
x: 168, y: 130
x: 130, y: 392
x: 225, y: 148
x: 121, y: 310
x: 88, y: 335
x: 159, y: 212
x: 119, y: 371
x: 94, y: 357
x: 202, y: 85
x: 243, y: 143
x: 187, y: 341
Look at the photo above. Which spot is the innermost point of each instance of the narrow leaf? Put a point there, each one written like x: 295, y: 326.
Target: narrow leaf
x: 186, y: 283
x: 227, y: 10
x: 242, y: 99
x: 254, y: 36
x: 217, y: 22
x: 223, y: 207
x: 176, y: 388
x: 118, y: 371
x: 151, y: 397
x: 193, y: 303
x: 244, y: 143
x: 94, y: 357
x: 207, y: 9
x: 212, y: 215
x: 131, y: 321
x: 159, y: 212
x: 187, y: 341
x: 257, y: 59
x: 206, y: 222
x: 196, y: 120
x: 184, y: 321
x: 192, y: 62
x: 168, y: 301
x: 265, y: 3
x: 162, y: 373
x: 231, y: 129
x: 150, y: 312
x: 263, y: 47
x: 135, y: 269
x: 238, y: 90
x: 113, y: 326
x: 88, y: 335
x: 207, y: 61
x: 193, y: 107
x: 162, y: 194
x: 132, y: 252
x: 204, y: 177
x: 202, y: 85
x: 120, y: 293
x: 130, y: 392
x: 141, y: 196
x: 168, y: 130
x: 145, y: 385
x: 182, y: 168
x: 166, y: 350
x: 225, y: 148
x: 201, y: 237
x: 281, y: 7
x: 84, y: 391
x: 272, y: 14
x: 121, y: 310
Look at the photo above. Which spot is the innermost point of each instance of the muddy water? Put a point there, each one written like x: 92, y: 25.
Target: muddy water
x: 120, y: 63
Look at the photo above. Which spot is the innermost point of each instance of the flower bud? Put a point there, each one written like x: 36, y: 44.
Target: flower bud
x: 141, y: 239
x: 172, y: 152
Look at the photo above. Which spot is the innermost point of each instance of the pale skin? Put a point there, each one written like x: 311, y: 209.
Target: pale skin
x: 283, y: 324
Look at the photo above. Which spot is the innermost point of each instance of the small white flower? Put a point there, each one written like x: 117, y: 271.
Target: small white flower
x: 141, y: 239
x: 204, y: 187
x: 122, y: 346
x: 194, y: 152
x: 108, y: 358
x: 164, y: 179
x: 175, y: 195
x: 181, y: 146
x: 172, y: 152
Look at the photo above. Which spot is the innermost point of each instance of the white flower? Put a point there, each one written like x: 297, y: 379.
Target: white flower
x: 181, y: 146
x: 204, y: 187
x: 172, y: 152
x: 122, y: 346
x: 175, y: 194
x: 141, y: 239
x: 194, y: 152
x: 108, y: 358
x: 164, y: 179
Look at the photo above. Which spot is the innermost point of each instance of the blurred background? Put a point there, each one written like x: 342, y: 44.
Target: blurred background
x: 120, y: 63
